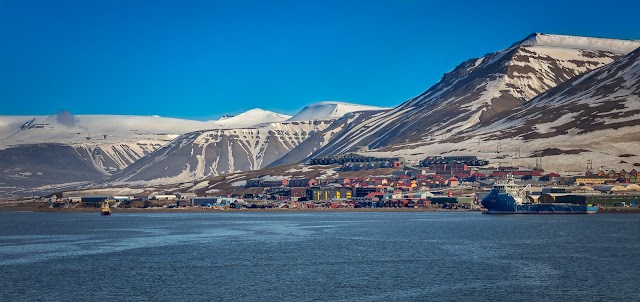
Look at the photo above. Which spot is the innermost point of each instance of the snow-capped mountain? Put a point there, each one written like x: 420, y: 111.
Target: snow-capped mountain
x: 202, y: 154
x: 480, y: 88
x: 45, y: 150
x: 330, y: 110
x: 208, y: 153
x: 593, y: 118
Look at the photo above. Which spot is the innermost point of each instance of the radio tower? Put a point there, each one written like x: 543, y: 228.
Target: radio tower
x: 538, y: 163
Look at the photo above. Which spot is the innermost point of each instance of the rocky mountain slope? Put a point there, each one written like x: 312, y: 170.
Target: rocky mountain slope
x: 592, y: 118
x: 481, y: 88
x: 209, y: 153
x: 603, y: 99
x: 319, y: 139
x: 202, y: 154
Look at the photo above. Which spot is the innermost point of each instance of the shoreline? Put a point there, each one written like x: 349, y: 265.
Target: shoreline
x: 38, y: 207
x: 34, y: 208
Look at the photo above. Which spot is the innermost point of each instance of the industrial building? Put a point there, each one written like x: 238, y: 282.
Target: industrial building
x: 95, y: 198
x: 363, y: 192
x: 327, y: 193
x: 212, y: 201
x: 610, y: 200
x: 448, y: 160
x: 163, y: 197
x: 356, y: 158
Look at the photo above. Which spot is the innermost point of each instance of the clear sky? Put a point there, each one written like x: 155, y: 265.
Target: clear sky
x: 203, y: 59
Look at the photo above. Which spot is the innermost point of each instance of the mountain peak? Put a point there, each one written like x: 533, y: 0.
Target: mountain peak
x: 255, y: 111
x: 331, y: 103
x: 578, y: 42
x: 252, y: 117
x: 330, y: 110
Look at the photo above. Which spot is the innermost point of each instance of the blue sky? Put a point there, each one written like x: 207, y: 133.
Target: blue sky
x: 203, y: 59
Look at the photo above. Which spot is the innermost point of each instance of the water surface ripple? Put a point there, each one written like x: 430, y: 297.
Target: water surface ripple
x: 318, y: 256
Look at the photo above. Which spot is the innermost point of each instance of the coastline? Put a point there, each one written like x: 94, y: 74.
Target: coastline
x: 199, y: 210
x: 38, y: 207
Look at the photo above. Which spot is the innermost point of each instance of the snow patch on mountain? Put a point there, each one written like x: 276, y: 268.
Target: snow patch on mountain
x: 548, y: 127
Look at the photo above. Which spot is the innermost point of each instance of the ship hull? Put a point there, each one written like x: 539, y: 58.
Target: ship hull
x: 502, y: 203
x: 548, y: 209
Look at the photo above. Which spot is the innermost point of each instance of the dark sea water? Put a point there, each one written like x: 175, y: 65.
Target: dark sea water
x: 318, y: 256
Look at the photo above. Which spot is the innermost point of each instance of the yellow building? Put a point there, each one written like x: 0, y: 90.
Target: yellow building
x: 591, y: 180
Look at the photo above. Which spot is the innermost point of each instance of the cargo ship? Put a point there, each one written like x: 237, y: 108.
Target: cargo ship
x: 509, y: 198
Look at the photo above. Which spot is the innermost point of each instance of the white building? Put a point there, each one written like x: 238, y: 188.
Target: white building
x: 163, y: 197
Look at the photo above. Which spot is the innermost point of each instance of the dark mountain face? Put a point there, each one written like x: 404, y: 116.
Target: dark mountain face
x: 606, y: 98
x: 48, y: 164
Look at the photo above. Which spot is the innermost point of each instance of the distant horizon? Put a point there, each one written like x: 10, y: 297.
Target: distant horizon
x: 203, y: 60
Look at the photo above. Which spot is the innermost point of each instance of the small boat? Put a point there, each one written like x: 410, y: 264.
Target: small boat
x: 508, y: 198
x: 105, y: 210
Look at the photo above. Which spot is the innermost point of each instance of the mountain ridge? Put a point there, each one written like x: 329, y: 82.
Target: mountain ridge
x: 580, y: 42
